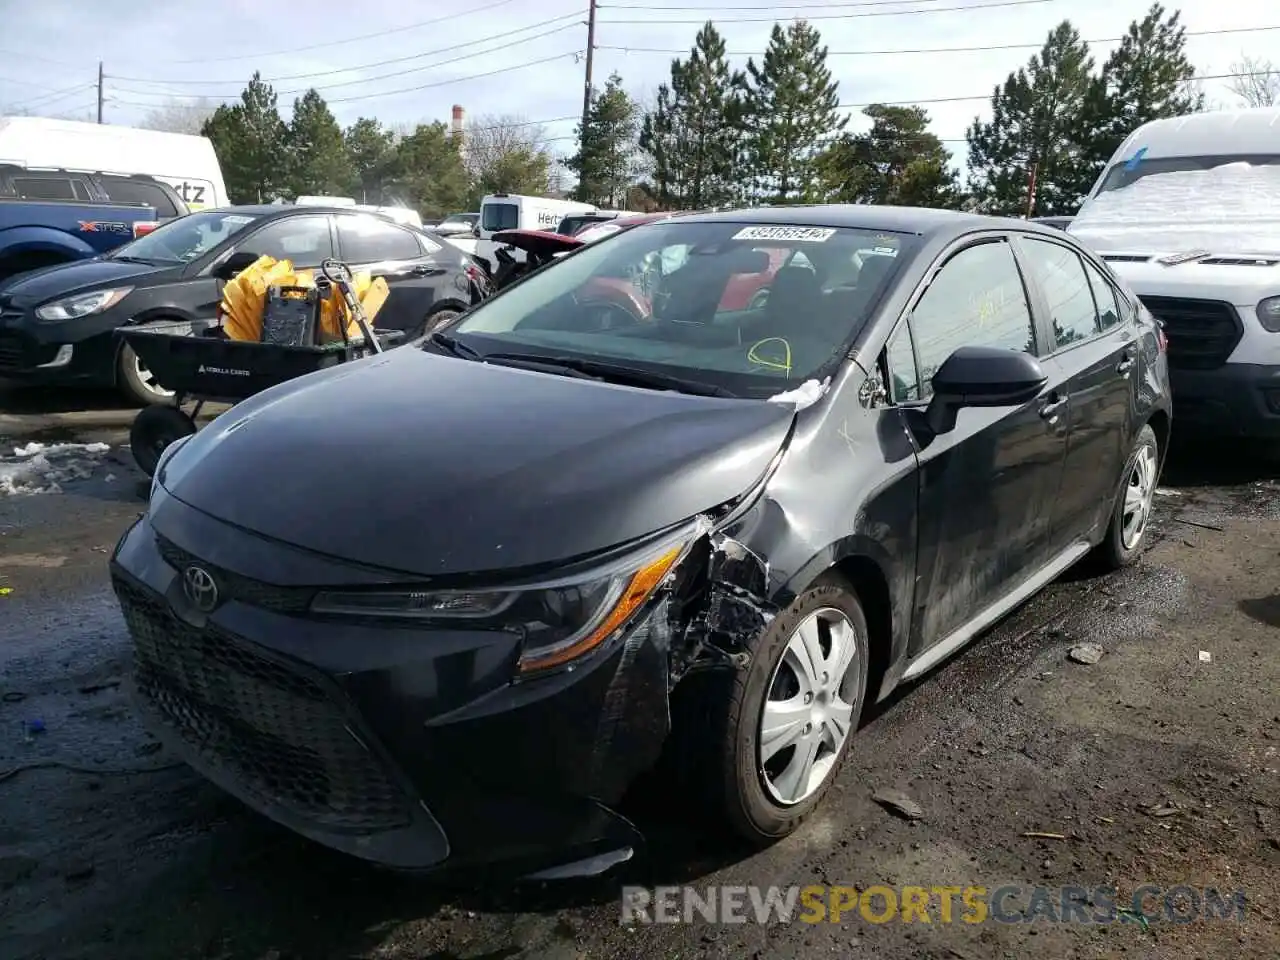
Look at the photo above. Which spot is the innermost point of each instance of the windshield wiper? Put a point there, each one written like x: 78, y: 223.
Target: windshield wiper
x: 142, y: 260
x: 454, y: 346
x: 614, y: 373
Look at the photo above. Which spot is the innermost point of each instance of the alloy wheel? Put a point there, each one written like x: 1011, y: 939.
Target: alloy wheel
x: 148, y: 379
x: 1138, y: 494
x: 810, y: 709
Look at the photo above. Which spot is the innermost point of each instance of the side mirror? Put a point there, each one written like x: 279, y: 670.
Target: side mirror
x: 981, y: 377
x: 240, y: 260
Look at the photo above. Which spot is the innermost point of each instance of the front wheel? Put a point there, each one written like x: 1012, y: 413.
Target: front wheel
x: 791, y: 713
x: 1132, y: 511
x: 137, y: 382
x: 438, y: 319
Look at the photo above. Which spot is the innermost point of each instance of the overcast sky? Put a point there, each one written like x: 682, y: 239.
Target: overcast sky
x: 408, y: 62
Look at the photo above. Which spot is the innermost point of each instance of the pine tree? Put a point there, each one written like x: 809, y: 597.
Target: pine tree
x: 657, y: 141
x: 250, y: 140
x: 708, y: 117
x: 428, y: 171
x: 898, y: 161
x: 372, y: 153
x: 606, y: 159
x: 791, y: 112
x: 1034, y: 121
x: 1146, y: 78
x: 318, y: 158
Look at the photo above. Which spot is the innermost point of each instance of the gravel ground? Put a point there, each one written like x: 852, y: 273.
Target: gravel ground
x: 1153, y: 765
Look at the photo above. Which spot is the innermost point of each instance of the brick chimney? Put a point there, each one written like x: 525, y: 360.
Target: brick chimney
x: 459, y: 115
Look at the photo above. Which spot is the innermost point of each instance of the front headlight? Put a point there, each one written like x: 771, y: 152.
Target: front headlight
x: 82, y: 305
x: 1269, y: 314
x: 561, y: 621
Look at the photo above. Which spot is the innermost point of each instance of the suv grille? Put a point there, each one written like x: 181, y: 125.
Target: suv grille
x: 1201, y: 333
x: 281, y: 735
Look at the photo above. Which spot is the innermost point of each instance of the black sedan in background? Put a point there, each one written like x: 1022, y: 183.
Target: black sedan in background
x: 638, y: 519
x: 56, y: 324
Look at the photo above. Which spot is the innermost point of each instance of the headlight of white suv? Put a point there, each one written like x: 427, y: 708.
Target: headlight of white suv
x: 82, y: 304
x: 561, y: 620
x: 1269, y: 314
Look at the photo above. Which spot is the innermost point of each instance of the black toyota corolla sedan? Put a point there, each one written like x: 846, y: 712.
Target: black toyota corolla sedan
x: 443, y: 605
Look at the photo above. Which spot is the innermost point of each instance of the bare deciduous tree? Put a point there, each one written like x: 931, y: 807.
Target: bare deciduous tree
x: 507, y: 154
x: 176, y: 117
x: 1257, y: 82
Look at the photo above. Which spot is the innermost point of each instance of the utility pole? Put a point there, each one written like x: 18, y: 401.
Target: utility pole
x: 591, y: 46
x: 100, y: 98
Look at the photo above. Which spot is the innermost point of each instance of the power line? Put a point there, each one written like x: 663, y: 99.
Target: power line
x: 384, y: 76
x: 650, y: 21
x: 383, y: 63
x: 378, y: 34
x: 989, y: 48
x: 765, y: 7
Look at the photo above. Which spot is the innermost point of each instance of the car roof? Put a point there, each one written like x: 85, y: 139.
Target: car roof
x: 287, y: 209
x: 922, y: 221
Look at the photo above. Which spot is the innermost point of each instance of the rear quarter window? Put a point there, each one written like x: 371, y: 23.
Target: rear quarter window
x: 129, y: 190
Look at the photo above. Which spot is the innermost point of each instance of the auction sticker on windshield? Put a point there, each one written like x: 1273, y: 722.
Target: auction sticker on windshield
x: 801, y: 234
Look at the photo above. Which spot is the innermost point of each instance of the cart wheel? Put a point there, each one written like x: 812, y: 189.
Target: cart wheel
x: 154, y: 428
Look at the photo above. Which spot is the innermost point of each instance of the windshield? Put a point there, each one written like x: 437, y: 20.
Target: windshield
x: 460, y: 220
x: 1128, y: 171
x: 499, y: 216
x: 752, y: 309
x: 184, y: 239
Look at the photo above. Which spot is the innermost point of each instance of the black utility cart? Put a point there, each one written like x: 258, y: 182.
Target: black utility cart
x: 210, y: 368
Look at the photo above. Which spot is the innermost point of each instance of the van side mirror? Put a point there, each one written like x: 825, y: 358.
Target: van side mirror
x: 238, y: 261
x: 981, y: 377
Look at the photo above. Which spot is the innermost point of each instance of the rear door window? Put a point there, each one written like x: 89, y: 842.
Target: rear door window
x: 366, y: 240
x: 46, y: 188
x: 1109, y: 312
x: 129, y: 190
x: 1060, y: 274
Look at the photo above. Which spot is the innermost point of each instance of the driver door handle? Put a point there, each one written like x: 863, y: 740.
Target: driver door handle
x: 1127, y: 360
x: 1052, y: 406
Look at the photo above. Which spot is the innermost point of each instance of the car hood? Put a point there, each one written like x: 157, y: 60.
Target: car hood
x: 65, y: 279
x: 542, y: 243
x: 433, y: 466
x: 1241, y: 280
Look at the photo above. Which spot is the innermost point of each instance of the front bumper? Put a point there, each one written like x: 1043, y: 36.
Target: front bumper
x: 409, y: 749
x: 1235, y: 399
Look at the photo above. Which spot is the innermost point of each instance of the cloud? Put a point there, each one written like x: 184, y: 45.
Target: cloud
x: 159, y: 52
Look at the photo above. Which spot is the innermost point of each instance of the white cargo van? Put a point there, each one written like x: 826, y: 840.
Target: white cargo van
x: 512, y: 211
x: 185, y: 162
x: 1188, y: 212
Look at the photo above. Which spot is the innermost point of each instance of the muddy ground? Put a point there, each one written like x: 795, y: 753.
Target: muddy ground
x: 1152, y: 765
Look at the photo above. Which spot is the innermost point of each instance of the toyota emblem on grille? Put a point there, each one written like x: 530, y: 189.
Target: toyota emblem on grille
x: 200, y: 587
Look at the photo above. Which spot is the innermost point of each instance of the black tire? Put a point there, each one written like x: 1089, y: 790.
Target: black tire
x: 438, y: 318
x: 154, y: 429
x: 32, y: 260
x: 1114, y: 553
x: 132, y: 385
x: 737, y: 783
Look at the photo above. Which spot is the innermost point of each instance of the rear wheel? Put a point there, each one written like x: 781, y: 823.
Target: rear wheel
x: 34, y: 260
x: 153, y: 430
x: 137, y: 382
x: 1132, y: 512
x: 785, y: 730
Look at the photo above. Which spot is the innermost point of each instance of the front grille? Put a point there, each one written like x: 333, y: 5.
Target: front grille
x: 244, y: 589
x: 280, y: 735
x: 12, y: 351
x: 1201, y: 333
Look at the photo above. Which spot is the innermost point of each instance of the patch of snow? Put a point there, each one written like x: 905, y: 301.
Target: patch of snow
x: 805, y: 395
x: 43, y: 468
